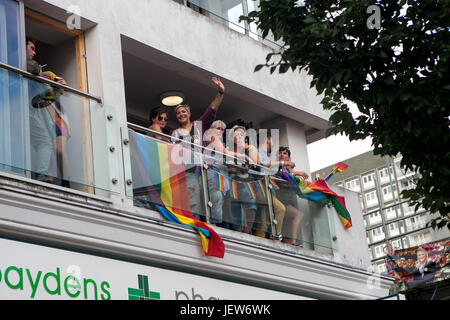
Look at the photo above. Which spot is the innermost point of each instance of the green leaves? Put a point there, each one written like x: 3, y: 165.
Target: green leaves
x: 397, y: 75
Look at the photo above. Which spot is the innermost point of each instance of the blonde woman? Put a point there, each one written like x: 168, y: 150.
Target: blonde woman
x: 424, y: 264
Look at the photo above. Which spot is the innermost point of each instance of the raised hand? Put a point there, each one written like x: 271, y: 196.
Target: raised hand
x: 219, y: 84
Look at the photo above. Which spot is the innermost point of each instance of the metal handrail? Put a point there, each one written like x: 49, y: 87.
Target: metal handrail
x: 194, y: 145
x: 49, y: 82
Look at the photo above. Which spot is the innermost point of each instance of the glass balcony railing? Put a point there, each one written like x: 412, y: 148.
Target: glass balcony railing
x: 218, y: 190
x: 229, y: 12
x: 304, y: 222
x: 46, y: 132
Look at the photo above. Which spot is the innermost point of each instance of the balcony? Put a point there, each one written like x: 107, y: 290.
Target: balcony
x: 220, y: 192
x: 86, y: 166
x: 48, y: 135
x: 228, y: 12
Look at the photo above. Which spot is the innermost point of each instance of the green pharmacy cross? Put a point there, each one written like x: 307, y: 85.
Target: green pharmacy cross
x: 143, y: 293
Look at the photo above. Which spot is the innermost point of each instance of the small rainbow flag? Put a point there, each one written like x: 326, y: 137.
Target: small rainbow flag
x: 319, y: 191
x: 261, y: 188
x: 219, y: 181
x: 233, y: 189
x: 274, y: 184
x: 337, y: 167
x: 250, y: 191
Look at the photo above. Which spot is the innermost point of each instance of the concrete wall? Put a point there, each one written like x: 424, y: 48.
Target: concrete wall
x: 352, y: 243
x: 192, y: 37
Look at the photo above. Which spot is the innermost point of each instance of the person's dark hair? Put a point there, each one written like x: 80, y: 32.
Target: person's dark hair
x: 285, y: 149
x: 33, y: 41
x: 157, y: 111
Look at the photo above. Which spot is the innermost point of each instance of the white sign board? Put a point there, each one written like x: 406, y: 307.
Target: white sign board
x: 29, y: 271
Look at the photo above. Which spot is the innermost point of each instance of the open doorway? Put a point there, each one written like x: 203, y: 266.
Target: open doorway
x: 60, y: 120
x: 59, y: 49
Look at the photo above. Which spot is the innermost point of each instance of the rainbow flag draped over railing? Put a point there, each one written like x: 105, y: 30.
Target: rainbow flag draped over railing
x: 318, y: 191
x: 165, y: 184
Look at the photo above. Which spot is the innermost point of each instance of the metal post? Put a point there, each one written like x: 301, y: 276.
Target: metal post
x: 204, y: 181
x: 270, y: 205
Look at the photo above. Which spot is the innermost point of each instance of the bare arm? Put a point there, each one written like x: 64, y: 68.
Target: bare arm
x: 277, y: 164
x: 254, y: 155
x: 215, y: 104
x: 300, y: 174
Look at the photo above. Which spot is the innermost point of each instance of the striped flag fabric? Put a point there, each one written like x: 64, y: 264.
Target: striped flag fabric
x: 233, y: 189
x: 219, y: 181
x: 340, y: 166
x: 275, y: 186
x: 261, y: 188
x: 250, y: 191
x: 319, y: 191
x: 165, y: 184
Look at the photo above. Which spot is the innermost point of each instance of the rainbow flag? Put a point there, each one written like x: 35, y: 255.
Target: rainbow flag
x: 274, y: 184
x: 261, y: 188
x: 250, y: 191
x: 52, y: 113
x: 318, y: 191
x: 337, y: 167
x: 219, y: 181
x: 233, y: 189
x: 165, y: 183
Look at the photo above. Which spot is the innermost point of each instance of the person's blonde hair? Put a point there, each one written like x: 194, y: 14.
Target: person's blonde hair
x: 237, y: 127
x: 183, y: 106
x: 218, y: 124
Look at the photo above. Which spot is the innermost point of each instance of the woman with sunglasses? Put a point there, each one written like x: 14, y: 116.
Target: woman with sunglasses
x: 158, y: 118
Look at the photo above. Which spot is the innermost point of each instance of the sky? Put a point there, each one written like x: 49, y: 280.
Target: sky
x: 327, y: 152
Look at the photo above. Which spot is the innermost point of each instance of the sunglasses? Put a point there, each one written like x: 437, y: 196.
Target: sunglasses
x: 162, y: 118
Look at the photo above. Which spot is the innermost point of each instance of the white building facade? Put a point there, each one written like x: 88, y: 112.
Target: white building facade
x: 388, y: 217
x: 86, y: 235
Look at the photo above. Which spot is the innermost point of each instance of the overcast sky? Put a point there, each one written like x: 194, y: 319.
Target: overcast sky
x: 327, y: 152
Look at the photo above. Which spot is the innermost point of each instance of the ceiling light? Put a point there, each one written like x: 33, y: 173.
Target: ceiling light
x: 172, y: 98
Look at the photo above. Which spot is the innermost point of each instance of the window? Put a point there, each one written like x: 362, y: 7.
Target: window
x: 368, y: 180
x: 13, y: 104
x: 370, y: 196
x: 381, y: 268
x: 10, y: 44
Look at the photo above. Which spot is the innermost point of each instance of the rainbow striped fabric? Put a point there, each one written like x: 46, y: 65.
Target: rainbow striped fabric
x: 250, y: 191
x: 219, y: 181
x: 318, y: 191
x: 261, y: 188
x: 233, y: 189
x: 340, y: 166
x: 165, y: 184
x: 55, y: 119
x: 274, y: 184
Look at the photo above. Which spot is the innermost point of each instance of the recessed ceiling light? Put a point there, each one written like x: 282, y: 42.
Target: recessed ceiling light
x: 172, y: 98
